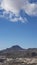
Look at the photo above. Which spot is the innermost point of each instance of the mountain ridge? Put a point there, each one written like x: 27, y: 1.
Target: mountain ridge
x: 17, y: 51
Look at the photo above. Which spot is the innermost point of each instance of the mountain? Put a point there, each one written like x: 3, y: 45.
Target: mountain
x: 17, y: 51
x: 16, y: 47
x: 11, y: 49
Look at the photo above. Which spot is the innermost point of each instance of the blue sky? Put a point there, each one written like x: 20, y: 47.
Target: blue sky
x: 18, y: 28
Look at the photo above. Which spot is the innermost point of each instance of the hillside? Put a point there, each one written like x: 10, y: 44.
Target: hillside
x: 17, y: 51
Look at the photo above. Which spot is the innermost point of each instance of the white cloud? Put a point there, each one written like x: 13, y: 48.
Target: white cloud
x: 31, y: 9
x: 16, y: 5
x: 19, y: 19
x: 12, y: 7
x: 12, y: 17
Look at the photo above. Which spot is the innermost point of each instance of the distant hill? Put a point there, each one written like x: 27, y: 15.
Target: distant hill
x: 17, y: 51
x: 12, y: 49
x: 16, y: 47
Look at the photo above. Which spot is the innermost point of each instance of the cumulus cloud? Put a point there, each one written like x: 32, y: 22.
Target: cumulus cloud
x: 12, y: 5
x: 15, y: 6
x: 31, y: 9
x: 12, y: 17
x: 20, y: 19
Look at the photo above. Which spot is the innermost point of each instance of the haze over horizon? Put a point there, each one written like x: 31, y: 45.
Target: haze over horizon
x: 18, y: 23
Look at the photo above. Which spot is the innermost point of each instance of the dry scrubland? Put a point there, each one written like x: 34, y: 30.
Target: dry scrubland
x: 18, y: 61
x: 18, y: 56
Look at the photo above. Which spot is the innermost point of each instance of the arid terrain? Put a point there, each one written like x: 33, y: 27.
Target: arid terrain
x: 18, y: 61
x: 18, y: 56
